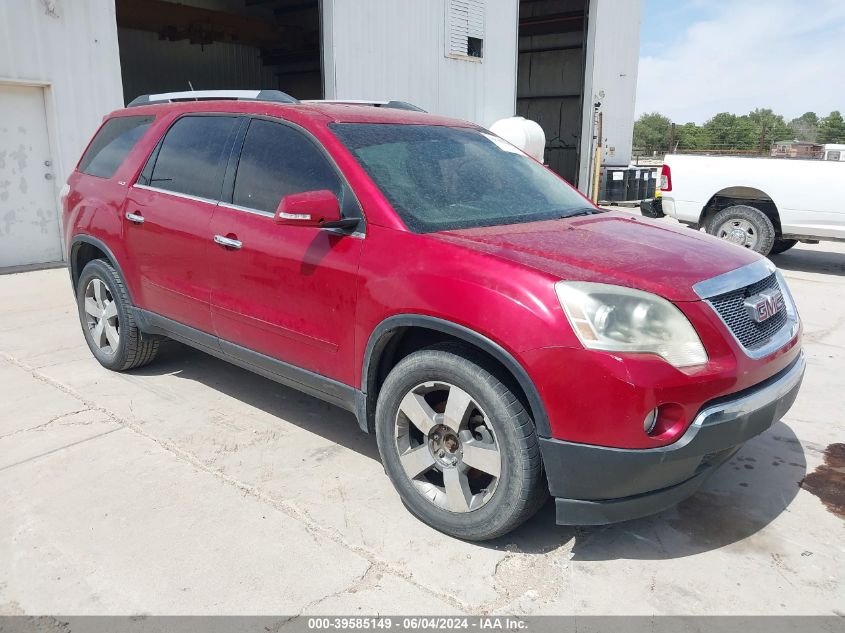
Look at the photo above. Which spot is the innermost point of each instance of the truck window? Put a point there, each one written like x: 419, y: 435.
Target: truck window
x: 278, y: 160
x: 112, y: 144
x: 192, y: 156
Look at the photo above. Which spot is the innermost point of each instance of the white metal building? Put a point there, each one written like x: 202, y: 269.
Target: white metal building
x: 66, y: 63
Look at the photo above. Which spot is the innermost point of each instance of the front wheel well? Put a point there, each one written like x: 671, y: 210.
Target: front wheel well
x: 748, y: 196
x: 397, y: 343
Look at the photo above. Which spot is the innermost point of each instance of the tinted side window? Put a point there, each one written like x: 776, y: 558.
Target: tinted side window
x: 278, y: 160
x: 112, y: 143
x: 191, y: 157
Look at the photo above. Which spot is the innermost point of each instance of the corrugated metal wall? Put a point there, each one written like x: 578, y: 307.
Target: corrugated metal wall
x: 73, y: 49
x: 395, y: 49
x: 152, y: 65
x: 69, y: 48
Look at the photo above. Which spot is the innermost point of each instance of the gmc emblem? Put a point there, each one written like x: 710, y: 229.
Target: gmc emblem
x: 764, y: 305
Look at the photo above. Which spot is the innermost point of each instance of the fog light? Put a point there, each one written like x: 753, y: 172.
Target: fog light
x: 650, y: 421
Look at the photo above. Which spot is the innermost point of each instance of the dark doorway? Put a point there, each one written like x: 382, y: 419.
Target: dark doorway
x: 169, y: 46
x: 550, y: 76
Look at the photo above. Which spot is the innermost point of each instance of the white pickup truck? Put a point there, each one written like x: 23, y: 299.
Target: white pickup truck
x: 765, y: 204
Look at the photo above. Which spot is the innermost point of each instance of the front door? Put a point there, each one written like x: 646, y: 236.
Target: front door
x: 287, y: 292
x: 29, y: 219
x: 168, y: 214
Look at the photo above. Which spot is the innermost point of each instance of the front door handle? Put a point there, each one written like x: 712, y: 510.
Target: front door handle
x: 227, y: 241
x: 134, y: 217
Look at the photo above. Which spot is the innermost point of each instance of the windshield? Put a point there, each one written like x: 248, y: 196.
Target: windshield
x: 443, y: 178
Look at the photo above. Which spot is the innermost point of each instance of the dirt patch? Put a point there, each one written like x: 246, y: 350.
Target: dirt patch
x: 827, y: 482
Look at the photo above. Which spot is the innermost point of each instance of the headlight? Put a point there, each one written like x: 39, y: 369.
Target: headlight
x: 619, y: 319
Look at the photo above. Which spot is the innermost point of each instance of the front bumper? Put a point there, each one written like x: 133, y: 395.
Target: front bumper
x: 595, y: 485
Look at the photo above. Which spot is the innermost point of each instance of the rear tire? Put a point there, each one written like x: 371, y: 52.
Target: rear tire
x: 441, y: 417
x: 781, y: 246
x: 743, y: 225
x: 106, y: 317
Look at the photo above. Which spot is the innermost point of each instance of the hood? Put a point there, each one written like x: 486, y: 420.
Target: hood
x: 614, y: 248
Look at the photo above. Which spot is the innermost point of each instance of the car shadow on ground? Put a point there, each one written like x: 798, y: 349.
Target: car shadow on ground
x: 306, y: 412
x: 810, y: 260
x: 740, y: 499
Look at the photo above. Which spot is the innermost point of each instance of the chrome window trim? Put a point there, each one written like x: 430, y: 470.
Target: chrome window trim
x: 734, y: 279
x: 236, y: 207
x: 178, y: 194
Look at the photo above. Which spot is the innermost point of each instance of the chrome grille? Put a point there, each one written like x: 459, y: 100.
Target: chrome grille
x: 749, y: 333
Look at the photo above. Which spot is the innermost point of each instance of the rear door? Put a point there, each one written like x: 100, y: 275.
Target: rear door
x: 168, y: 213
x: 287, y: 292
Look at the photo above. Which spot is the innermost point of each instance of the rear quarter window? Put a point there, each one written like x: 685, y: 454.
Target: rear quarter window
x: 112, y: 143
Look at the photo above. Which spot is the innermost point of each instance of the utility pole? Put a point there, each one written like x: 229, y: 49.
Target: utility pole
x: 672, y: 139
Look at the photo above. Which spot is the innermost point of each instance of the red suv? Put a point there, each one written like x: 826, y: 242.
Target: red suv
x: 503, y: 337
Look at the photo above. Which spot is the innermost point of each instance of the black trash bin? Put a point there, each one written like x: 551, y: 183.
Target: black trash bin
x: 632, y: 184
x: 615, y: 184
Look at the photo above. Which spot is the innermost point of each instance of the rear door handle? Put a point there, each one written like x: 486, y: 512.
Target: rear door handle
x: 227, y: 241
x: 134, y: 217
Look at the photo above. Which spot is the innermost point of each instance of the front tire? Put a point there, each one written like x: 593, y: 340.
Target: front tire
x: 458, y: 445
x: 745, y: 226
x: 781, y: 246
x: 104, y: 312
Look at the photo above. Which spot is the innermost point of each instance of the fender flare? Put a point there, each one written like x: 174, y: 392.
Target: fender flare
x: 384, y: 331
x: 76, y: 242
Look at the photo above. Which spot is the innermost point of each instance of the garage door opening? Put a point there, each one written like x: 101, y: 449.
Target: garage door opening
x: 550, y: 76
x: 169, y: 46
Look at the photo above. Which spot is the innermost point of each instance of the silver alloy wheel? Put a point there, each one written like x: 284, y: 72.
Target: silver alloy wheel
x: 447, y: 447
x: 738, y: 231
x: 101, y: 316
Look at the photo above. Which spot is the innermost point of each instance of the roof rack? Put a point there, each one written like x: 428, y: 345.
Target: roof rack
x: 275, y: 96
x: 397, y: 105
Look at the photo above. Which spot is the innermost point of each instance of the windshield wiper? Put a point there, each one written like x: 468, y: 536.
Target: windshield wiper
x: 580, y: 211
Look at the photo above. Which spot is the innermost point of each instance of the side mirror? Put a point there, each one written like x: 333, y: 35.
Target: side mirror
x: 312, y: 208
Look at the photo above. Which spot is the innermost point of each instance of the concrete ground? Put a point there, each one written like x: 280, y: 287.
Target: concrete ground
x: 194, y: 487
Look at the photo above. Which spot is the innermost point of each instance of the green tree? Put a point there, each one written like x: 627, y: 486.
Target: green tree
x: 729, y: 131
x: 768, y: 127
x: 690, y: 136
x: 832, y: 128
x: 651, y: 132
x: 804, y: 127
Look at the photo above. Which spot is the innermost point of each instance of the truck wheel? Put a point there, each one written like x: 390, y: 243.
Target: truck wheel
x: 110, y: 330
x: 781, y: 246
x: 458, y: 445
x: 744, y: 226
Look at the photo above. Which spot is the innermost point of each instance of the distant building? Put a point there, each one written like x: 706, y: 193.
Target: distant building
x: 796, y: 149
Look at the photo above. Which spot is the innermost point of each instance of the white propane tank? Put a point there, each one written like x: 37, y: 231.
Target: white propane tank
x: 524, y: 133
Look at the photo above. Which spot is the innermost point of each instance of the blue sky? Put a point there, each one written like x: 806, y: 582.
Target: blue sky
x: 701, y: 57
